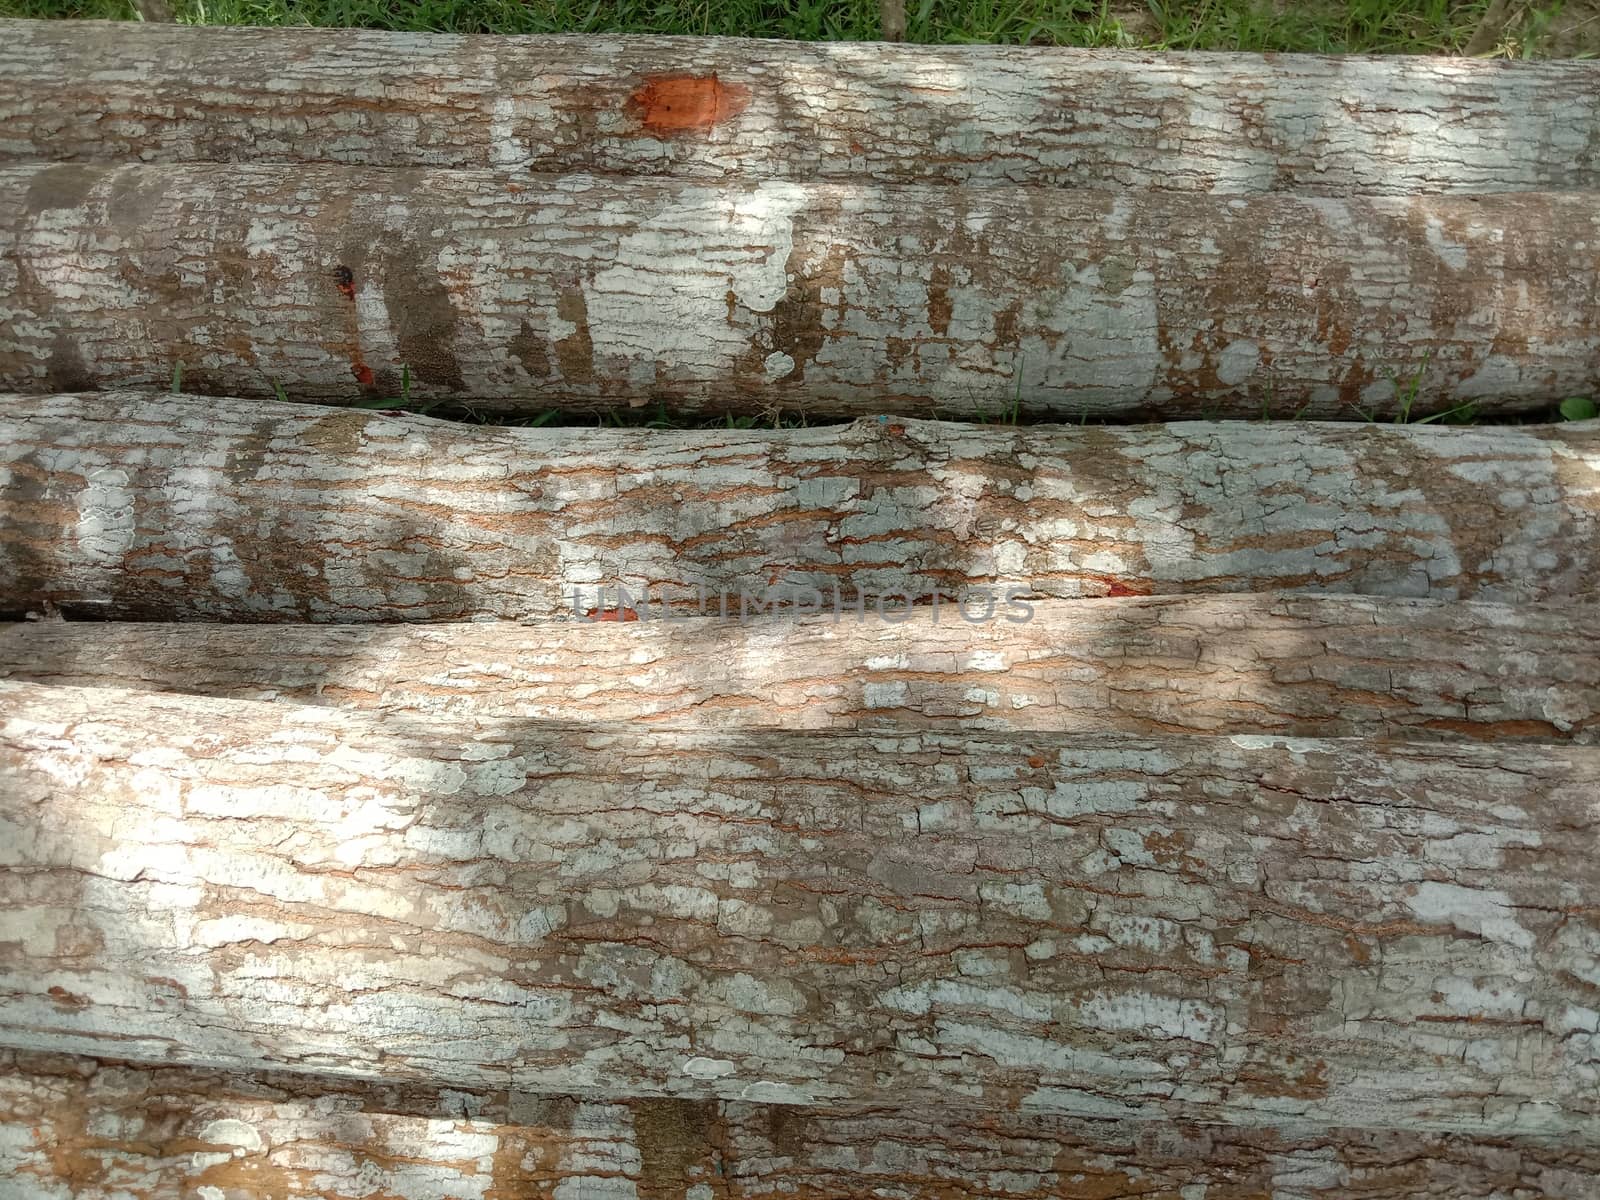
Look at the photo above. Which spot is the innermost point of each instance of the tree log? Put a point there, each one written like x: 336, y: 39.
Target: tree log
x: 527, y: 291
x: 104, y: 1130
x: 711, y: 108
x: 135, y: 507
x: 1308, y: 666
x: 1245, y: 930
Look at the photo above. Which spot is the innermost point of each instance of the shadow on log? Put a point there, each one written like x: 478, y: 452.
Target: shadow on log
x: 1310, y: 666
x: 138, y: 507
x: 1247, y: 930
x: 109, y: 1128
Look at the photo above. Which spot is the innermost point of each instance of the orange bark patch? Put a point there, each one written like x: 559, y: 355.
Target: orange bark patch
x: 612, y: 614
x: 362, y: 372
x: 678, y: 103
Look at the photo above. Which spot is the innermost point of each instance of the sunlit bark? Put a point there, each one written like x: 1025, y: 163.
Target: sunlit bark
x: 1244, y: 929
x: 105, y: 1131
x: 715, y: 108
x: 526, y: 291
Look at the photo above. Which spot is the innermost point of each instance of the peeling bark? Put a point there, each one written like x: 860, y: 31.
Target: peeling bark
x: 1308, y: 666
x: 163, y: 508
x: 1246, y: 930
x: 526, y: 291
x: 107, y: 1130
x: 953, y: 114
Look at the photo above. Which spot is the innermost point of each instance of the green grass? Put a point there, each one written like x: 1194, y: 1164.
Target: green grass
x: 1358, y: 26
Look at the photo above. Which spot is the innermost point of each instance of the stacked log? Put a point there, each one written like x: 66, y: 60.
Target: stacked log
x: 829, y: 298
x: 710, y: 108
x: 392, y: 807
x: 827, y: 229
x: 148, y: 508
x: 1299, y: 665
x: 1343, y: 932
x: 103, y: 1128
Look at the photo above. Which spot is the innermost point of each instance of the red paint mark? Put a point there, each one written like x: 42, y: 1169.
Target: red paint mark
x: 345, y: 280
x: 612, y: 614
x: 1036, y: 761
x: 1116, y: 587
x: 676, y: 103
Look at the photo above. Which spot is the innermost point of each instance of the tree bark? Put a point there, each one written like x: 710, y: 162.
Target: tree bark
x: 1308, y: 666
x: 892, y: 19
x: 1241, y: 930
x: 154, y: 10
x: 526, y: 291
x: 1491, y: 28
x: 98, y: 1130
x: 711, y: 108
x: 133, y: 507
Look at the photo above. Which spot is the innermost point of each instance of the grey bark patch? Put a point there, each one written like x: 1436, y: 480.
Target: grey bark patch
x: 135, y: 197
x: 65, y: 186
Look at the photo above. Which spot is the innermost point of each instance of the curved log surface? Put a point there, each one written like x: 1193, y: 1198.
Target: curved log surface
x: 1310, y: 666
x: 104, y: 1130
x: 521, y: 292
x: 161, y: 508
x: 712, y: 108
x: 1246, y: 930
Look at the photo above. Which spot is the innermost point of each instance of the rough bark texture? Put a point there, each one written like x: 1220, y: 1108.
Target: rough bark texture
x: 79, y: 1129
x: 153, y: 10
x: 470, y: 943
x: 892, y: 19
x: 526, y: 291
x: 1301, y: 665
x: 1245, y: 930
x: 164, y: 508
x: 711, y: 108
